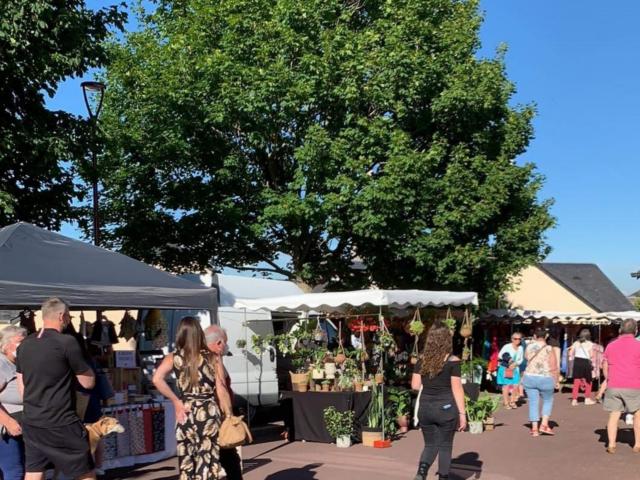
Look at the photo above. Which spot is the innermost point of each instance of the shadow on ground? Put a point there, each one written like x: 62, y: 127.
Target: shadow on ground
x: 304, y: 473
x: 465, y: 466
x: 625, y: 436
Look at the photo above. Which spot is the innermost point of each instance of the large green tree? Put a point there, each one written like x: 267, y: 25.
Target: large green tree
x: 342, y: 133
x: 42, y: 42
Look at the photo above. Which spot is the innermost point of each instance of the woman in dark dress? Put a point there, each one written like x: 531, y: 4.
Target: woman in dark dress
x: 441, y: 408
x: 203, y: 401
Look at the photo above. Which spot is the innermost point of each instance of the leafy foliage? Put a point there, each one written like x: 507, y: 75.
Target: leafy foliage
x: 341, y: 133
x: 338, y: 424
x: 42, y: 42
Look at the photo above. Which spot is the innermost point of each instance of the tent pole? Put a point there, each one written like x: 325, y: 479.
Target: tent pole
x: 382, y: 355
x: 246, y: 365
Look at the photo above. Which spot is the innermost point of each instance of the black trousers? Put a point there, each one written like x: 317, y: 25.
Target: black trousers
x: 230, y: 461
x: 438, y: 421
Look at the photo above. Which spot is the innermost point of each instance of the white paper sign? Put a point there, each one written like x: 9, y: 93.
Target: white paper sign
x: 125, y: 359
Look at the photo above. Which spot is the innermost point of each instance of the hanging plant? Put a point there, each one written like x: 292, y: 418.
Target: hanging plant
x: 416, y: 327
x: 466, y: 329
x: 449, y: 321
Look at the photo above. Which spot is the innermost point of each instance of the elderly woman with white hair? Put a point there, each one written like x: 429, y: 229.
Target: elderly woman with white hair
x: 11, y: 444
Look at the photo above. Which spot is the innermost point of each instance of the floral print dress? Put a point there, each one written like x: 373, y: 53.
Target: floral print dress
x: 197, y: 438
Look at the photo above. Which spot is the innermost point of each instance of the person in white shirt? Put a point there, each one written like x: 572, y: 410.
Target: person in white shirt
x: 510, y: 358
x: 583, y: 355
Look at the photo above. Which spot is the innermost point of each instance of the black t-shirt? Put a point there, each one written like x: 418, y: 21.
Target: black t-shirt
x: 440, y: 385
x: 49, y: 366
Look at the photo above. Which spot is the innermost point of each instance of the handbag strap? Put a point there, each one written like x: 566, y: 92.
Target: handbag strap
x: 530, y: 361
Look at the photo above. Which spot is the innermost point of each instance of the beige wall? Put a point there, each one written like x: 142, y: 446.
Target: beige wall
x: 535, y: 290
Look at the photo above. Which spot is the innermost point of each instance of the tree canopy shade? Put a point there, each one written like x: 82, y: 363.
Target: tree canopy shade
x: 42, y: 42
x: 342, y: 133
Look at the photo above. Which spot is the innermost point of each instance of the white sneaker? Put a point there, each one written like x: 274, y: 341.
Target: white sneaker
x: 628, y: 419
x: 588, y: 401
x: 574, y: 403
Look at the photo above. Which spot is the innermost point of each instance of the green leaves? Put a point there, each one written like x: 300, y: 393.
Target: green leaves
x: 42, y: 42
x: 337, y: 133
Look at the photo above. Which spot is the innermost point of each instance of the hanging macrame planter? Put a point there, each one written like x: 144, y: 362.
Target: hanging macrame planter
x: 466, y: 329
x: 341, y: 357
x: 416, y: 328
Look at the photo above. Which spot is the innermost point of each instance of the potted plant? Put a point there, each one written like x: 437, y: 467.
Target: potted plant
x: 400, y: 400
x: 241, y: 344
x: 480, y: 410
x: 326, y: 384
x: 329, y: 367
x: 491, y: 405
x: 339, y: 425
x: 373, y: 431
x: 317, y: 368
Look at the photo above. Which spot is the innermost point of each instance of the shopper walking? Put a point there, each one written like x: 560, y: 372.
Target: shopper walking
x: 510, y: 357
x: 441, y: 404
x: 539, y: 381
x: 203, y: 395
x: 216, y: 339
x: 583, y: 354
x: 11, y: 443
x: 621, y: 369
x: 48, y: 366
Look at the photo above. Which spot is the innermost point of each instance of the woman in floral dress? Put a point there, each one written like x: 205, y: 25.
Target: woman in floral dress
x: 203, y: 395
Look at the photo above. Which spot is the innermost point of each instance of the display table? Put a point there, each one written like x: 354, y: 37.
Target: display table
x: 169, y: 442
x: 306, y: 419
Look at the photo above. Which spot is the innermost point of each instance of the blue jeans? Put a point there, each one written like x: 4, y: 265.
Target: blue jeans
x: 11, y: 458
x: 538, y: 386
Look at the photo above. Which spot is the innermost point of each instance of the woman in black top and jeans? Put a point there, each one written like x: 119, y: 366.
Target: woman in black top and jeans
x: 441, y: 408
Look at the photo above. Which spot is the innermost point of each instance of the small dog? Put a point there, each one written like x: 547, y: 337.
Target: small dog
x: 102, y: 428
x: 97, y: 431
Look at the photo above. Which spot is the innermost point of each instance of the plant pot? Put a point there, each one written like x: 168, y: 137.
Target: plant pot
x: 370, y: 435
x: 330, y: 370
x: 318, y: 387
x: 475, y: 428
x: 465, y: 332
x: 326, y: 388
x: 489, y: 424
x: 317, y: 374
x: 358, y: 386
x: 403, y: 423
x: 299, y: 377
x: 340, y: 358
x: 343, y: 441
x: 300, y: 387
x: 379, y: 378
x: 414, y: 359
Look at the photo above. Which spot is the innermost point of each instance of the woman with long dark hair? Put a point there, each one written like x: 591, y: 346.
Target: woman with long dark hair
x: 441, y: 408
x: 203, y: 395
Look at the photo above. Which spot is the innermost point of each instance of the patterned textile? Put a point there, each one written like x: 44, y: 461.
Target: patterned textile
x: 198, y: 452
x: 136, y: 426
x: 148, y: 430
x: 157, y: 420
x: 110, y: 447
x: 124, y: 448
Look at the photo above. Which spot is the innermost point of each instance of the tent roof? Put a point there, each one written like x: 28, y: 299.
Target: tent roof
x: 232, y: 287
x: 338, y: 301
x: 36, y: 264
x: 529, y: 316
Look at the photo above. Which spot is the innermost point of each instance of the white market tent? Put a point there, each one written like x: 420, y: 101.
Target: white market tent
x: 341, y: 301
x: 519, y: 316
x: 36, y: 264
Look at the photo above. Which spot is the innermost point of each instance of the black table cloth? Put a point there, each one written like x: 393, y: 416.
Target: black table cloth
x: 306, y: 418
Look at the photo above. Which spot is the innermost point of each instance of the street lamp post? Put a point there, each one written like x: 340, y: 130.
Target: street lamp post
x: 93, y: 93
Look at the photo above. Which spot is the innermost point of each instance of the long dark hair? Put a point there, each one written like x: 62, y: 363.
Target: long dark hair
x: 437, y: 347
x: 191, y: 343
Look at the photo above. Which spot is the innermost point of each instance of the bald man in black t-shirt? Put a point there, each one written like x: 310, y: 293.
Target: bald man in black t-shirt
x: 48, y: 365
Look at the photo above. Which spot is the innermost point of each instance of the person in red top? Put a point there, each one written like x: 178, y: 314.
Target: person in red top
x: 621, y: 370
x: 216, y: 339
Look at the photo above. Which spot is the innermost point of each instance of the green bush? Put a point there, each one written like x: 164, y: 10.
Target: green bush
x: 338, y: 424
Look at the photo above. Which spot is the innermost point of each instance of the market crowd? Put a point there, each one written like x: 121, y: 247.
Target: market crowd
x: 43, y: 374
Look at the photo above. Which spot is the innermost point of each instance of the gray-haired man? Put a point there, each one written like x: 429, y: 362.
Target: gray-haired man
x: 216, y: 339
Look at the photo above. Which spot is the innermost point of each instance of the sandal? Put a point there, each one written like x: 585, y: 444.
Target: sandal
x: 534, y: 432
x: 547, y: 431
x: 611, y: 449
x: 513, y: 405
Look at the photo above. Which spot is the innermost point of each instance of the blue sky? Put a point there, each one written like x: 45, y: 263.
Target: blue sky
x: 578, y: 62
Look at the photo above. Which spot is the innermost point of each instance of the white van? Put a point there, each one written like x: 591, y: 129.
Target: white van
x: 253, y: 378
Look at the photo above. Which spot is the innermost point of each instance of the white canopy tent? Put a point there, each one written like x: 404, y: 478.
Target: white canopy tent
x: 519, y: 316
x: 340, y: 301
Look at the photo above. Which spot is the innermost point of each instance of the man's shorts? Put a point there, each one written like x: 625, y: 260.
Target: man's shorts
x: 622, y: 400
x: 66, y: 447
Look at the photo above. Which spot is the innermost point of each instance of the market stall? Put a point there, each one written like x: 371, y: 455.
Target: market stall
x: 351, y: 379
x: 38, y: 264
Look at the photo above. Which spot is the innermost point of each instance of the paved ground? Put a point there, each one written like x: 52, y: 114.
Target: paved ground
x: 508, y: 453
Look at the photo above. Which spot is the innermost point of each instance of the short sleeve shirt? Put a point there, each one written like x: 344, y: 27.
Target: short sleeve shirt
x: 440, y: 385
x: 540, y: 363
x: 9, y: 395
x: 49, y: 364
x: 623, y: 359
